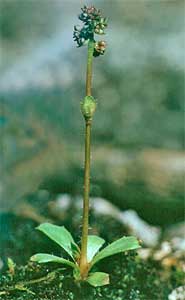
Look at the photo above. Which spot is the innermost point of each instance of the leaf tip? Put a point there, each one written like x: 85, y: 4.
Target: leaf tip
x: 33, y: 258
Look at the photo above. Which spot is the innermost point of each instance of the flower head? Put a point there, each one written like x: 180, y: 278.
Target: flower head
x: 94, y: 23
x: 89, y: 14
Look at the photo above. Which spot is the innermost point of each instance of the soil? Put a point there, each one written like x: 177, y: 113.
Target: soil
x: 131, y: 278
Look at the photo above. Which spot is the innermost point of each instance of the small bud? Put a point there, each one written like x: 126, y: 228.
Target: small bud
x: 99, y: 48
x: 88, y: 107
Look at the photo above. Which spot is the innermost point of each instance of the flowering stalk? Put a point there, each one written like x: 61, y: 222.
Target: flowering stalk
x: 83, y: 259
x: 94, y: 23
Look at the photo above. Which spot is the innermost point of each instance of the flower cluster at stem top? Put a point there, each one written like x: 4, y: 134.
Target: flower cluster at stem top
x: 94, y: 23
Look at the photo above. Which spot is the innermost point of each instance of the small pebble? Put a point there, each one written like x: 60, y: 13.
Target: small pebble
x: 177, y: 294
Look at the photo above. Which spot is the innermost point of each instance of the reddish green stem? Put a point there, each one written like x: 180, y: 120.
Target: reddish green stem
x: 85, y: 226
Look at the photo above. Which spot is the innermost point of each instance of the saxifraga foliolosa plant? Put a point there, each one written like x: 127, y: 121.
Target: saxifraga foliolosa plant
x: 84, y: 257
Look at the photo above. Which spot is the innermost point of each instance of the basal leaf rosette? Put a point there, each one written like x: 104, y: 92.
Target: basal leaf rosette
x: 61, y: 236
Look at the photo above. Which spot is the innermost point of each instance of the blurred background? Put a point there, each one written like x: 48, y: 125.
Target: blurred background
x: 138, y: 159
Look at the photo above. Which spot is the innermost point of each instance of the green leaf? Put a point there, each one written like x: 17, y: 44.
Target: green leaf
x: 44, y: 258
x: 93, y: 245
x: 121, y: 245
x: 61, y: 236
x: 98, y: 279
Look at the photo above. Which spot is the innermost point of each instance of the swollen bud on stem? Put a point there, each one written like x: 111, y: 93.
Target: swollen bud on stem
x: 88, y: 107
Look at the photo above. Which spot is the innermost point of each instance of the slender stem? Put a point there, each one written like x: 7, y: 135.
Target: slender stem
x: 85, y: 226
x: 89, y: 68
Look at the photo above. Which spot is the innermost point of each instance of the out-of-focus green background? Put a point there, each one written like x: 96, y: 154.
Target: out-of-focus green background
x: 138, y: 159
